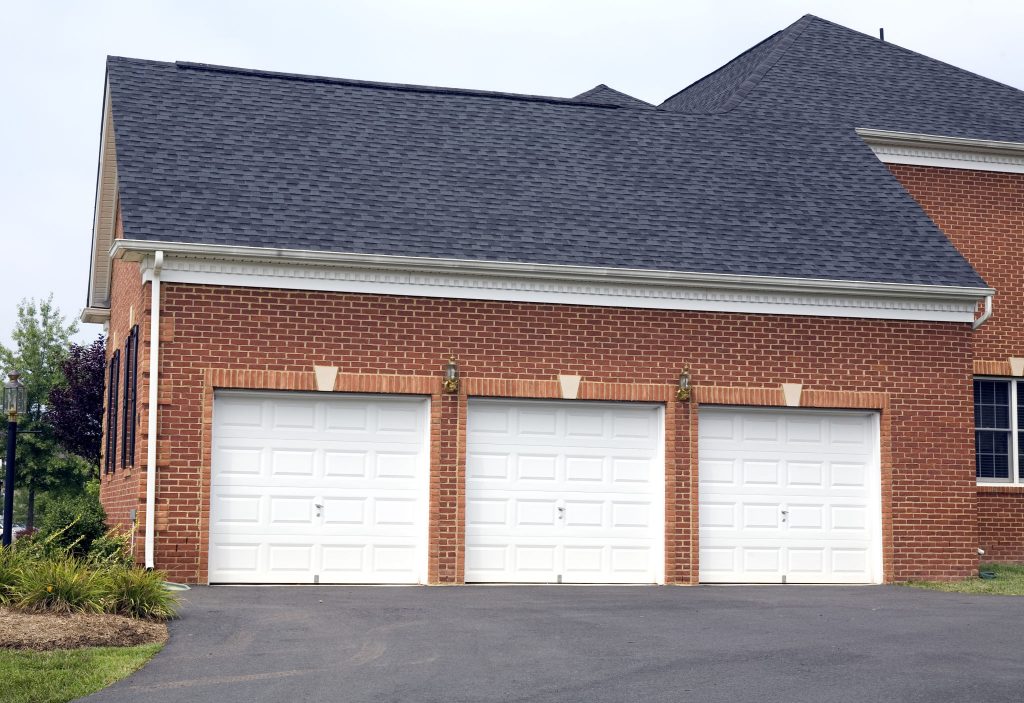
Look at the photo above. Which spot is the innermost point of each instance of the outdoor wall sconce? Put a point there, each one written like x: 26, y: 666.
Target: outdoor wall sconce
x: 451, y: 376
x: 684, y: 390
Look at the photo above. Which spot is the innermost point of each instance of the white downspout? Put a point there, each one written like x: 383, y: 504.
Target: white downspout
x: 154, y: 371
x: 985, y: 315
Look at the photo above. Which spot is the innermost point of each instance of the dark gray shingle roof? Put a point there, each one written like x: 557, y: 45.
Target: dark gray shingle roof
x: 823, y: 72
x: 225, y: 156
x: 609, y: 96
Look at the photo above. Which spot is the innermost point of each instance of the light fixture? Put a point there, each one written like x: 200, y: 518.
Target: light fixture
x: 684, y: 390
x: 15, y: 402
x: 15, y: 398
x: 451, y: 376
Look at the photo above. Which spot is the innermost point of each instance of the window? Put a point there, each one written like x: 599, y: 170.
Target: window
x: 131, y: 365
x: 113, y: 376
x: 998, y: 424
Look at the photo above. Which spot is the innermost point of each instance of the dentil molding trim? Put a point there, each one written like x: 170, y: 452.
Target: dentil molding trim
x: 351, y: 279
x: 944, y: 152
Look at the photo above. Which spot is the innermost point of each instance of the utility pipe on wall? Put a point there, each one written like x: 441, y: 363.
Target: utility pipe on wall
x: 154, y: 370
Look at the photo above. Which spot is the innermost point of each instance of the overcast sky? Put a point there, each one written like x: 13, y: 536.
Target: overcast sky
x: 52, y: 62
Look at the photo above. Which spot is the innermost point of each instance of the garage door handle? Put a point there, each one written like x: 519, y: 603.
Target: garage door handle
x: 561, y: 513
x: 785, y: 515
x: 318, y: 508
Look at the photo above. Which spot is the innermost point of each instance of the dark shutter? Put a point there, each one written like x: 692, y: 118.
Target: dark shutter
x: 131, y: 367
x: 113, y: 377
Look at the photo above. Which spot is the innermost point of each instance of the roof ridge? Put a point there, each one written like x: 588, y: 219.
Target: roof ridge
x: 915, y: 53
x: 770, y: 59
x: 382, y: 85
x: 789, y: 37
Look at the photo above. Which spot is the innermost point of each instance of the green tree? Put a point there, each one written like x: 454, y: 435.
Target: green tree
x: 41, y: 338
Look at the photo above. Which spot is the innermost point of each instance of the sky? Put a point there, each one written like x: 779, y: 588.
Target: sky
x: 52, y: 55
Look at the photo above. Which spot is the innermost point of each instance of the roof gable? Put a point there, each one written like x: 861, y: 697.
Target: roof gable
x: 609, y: 96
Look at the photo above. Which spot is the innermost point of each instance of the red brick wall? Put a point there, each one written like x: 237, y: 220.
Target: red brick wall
x: 923, y: 371
x: 982, y: 213
x: 122, y: 490
x: 1001, y: 523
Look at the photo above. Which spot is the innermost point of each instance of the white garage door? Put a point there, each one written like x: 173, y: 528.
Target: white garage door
x: 318, y: 489
x: 789, y: 496
x: 568, y: 492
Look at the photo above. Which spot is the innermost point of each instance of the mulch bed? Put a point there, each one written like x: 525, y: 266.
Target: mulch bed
x: 46, y: 631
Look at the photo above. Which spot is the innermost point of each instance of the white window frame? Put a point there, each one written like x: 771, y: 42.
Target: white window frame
x: 1015, y: 478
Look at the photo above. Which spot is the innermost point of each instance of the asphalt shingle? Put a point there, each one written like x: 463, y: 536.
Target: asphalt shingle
x: 212, y: 155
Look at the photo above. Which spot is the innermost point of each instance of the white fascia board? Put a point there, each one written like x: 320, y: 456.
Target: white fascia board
x: 944, y: 152
x: 209, y: 264
x: 104, y: 209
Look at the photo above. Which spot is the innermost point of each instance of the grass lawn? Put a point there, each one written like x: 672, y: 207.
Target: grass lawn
x: 66, y: 674
x: 1009, y: 581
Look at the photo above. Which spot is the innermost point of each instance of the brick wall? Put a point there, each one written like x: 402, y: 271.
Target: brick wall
x: 982, y: 213
x: 1001, y: 523
x: 920, y: 372
x: 123, y: 490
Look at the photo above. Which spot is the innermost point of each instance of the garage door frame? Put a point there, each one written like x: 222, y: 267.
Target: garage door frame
x: 658, y: 494
x: 877, y: 475
x: 422, y: 527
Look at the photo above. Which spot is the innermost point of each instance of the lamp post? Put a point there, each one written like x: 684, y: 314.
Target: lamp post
x: 14, y: 404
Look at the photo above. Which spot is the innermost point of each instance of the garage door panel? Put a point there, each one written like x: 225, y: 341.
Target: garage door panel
x: 531, y: 513
x: 291, y: 510
x: 292, y: 462
x: 290, y: 558
x: 536, y: 424
x: 329, y: 487
x: 535, y: 467
x: 761, y: 472
x: 552, y: 491
x: 238, y: 461
x: 788, y: 495
x: 292, y: 415
x: 586, y: 470
x: 242, y: 414
x: 848, y: 475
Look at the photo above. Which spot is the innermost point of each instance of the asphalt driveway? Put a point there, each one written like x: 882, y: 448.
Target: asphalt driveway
x: 565, y: 644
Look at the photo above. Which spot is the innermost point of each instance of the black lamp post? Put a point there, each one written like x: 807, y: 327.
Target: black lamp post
x: 14, y: 403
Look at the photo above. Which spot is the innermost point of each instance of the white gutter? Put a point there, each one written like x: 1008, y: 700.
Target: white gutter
x: 985, y: 315
x: 987, y: 146
x: 136, y: 250
x: 944, y: 152
x: 154, y: 371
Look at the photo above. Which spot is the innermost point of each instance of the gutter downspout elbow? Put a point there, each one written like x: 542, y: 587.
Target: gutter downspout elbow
x: 984, y: 315
x: 154, y: 370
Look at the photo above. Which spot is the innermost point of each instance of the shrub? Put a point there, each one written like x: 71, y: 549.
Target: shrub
x: 73, y: 523
x: 60, y: 584
x: 113, y: 548
x: 138, y: 593
x: 11, y: 565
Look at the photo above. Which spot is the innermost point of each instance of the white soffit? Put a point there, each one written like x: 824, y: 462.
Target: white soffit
x: 203, y: 264
x: 944, y: 152
x: 104, y: 219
